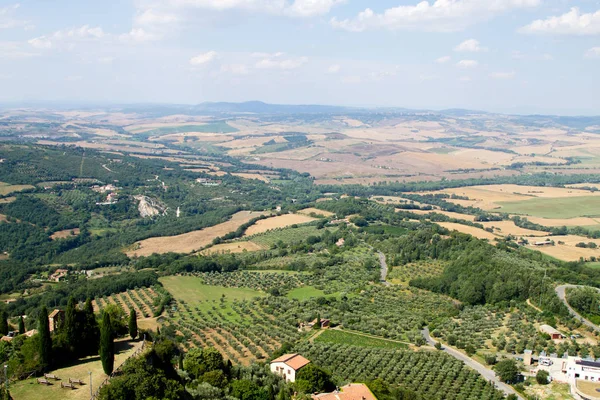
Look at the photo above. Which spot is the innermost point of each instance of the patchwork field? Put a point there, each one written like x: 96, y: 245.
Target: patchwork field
x: 471, y: 230
x: 316, y: 211
x: 191, y: 241
x: 191, y: 289
x: 280, y: 221
x: 565, y: 247
x: 358, y: 339
x: 65, y: 234
x: 251, y: 176
x: 7, y: 188
x: 565, y: 207
x: 233, y: 247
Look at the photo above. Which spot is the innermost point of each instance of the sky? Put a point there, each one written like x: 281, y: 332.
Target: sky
x: 512, y: 56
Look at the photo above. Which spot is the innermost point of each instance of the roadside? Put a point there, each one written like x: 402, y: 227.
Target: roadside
x: 487, y: 373
x: 561, y: 291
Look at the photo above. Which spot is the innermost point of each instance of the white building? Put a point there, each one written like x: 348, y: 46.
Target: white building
x: 288, y: 365
x: 583, y: 370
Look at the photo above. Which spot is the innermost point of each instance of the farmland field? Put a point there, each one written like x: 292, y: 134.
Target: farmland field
x: 233, y: 247
x: 285, y: 235
x: 191, y: 241
x: 192, y: 290
x: 316, y: 211
x: 7, y: 188
x: 304, y: 293
x: 357, y: 339
x: 471, y: 230
x: 214, y: 127
x: 566, y: 207
x: 280, y: 221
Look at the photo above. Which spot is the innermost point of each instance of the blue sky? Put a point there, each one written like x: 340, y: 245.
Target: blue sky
x: 499, y: 55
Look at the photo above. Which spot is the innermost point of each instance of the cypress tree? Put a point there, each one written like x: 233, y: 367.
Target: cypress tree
x: 45, y: 339
x: 3, y: 323
x: 21, y: 325
x: 133, y: 328
x: 70, y: 324
x: 107, y: 347
x: 91, y: 331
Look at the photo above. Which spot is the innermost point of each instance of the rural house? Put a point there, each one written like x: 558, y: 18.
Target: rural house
x: 55, y: 319
x: 554, y: 334
x: 288, y: 365
x: 352, y: 391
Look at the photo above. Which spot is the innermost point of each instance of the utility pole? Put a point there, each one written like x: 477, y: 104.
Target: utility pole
x: 6, y: 378
x: 91, y: 390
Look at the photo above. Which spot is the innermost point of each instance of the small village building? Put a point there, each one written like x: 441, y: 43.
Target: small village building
x: 586, y: 370
x: 58, y: 275
x: 340, y: 242
x: 352, y: 391
x: 528, y: 357
x: 546, y: 242
x: 288, y: 365
x: 55, y: 319
x: 554, y: 334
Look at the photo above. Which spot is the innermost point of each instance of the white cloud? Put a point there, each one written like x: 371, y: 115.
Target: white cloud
x: 470, y: 45
x: 67, y: 38
x: 139, y: 35
x: 438, y: 16
x: 7, y: 19
x: 570, y: 23
x: 153, y: 17
x: 277, y: 61
x: 443, y: 60
x: 334, y: 69
x: 310, y: 8
x: 14, y: 50
x: 503, y: 75
x: 594, y: 52
x: 467, y: 64
x: 235, y: 69
x: 204, y: 58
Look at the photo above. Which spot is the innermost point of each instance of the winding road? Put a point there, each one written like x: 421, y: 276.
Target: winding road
x: 487, y: 373
x: 384, y: 269
x: 562, y: 295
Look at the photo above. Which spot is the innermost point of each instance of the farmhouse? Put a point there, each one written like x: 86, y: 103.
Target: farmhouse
x: 55, y: 319
x: 288, y: 366
x: 554, y: 334
x: 58, y: 275
x: 583, y: 369
x: 546, y: 242
x: 352, y: 391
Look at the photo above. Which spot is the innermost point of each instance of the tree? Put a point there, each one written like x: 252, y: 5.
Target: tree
x: 45, y: 343
x: 507, y: 371
x: 133, y: 329
x: 312, y: 379
x: 542, y: 377
x: 470, y: 349
x: 70, y: 325
x: 198, y: 362
x: 21, y: 325
x: 90, y: 332
x: 317, y: 324
x: 107, y: 347
x: 3, y: 323
x: 247, y: 390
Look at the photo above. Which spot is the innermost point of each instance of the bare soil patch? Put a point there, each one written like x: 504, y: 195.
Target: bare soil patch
x: 316, y: 211
x: 65, y: 234
x: 233, y: 247
x: 471, y: 230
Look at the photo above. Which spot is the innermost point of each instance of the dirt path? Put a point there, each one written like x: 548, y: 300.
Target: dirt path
x: 384, y: 269
x: 529, y: 303
x: 488, y: 374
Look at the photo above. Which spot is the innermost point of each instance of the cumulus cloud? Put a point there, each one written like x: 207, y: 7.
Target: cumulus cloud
x: 438, y: 16
x: 443, y: 60
x: 503, y: 75
x: 67, y: 38
x: 334, y: 69
x: 571, y: 23
x: 278, y: 61
x: 310, y: 8
x: 467, y: 64
x: 204, y: 58
x: 594, y: 52
x: 470, y: 45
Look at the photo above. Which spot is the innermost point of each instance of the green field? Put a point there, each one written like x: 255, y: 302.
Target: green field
x: 344, y: 337
x: 305, y: 293
x: 190, y: 289
x: 567, y: 207
x: 287, y: 235
x: 213, y: 127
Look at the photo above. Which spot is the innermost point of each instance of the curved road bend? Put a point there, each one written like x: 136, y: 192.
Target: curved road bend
x: 562, y: 295
x: 488, y: 374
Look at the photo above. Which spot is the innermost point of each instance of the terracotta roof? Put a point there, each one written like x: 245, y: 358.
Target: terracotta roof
x: 353, y: 391
x: 31, y: 333
x: 294, y: 361
x: 54, y: 313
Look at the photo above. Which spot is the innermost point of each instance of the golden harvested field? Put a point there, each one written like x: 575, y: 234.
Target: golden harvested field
x: 506, y: 228
x: 7, y: 200
x: 450, y: 214
x: 233, y: 247
x: 65, y: 234
x: 311, y: 210
x: 471, y: 230
x: 191, y: 241
x: 567, y: 251
x: 7, y: 188
x: 280, y: 221
x: 580, y: 221
x: 251, y: 176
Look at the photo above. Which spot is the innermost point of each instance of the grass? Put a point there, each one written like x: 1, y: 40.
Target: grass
x: 593, y: 264
x: 344, y: 337
x: 29, y: 389
x: 191, y: 289
x: 7, y: 188
x: 565, y: 207
x: 287, y: 235
x: 306, y: 292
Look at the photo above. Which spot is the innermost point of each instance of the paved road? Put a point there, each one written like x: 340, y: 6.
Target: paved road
x: 384, y: 269
x: 488, y: 374
x: 561, y: 292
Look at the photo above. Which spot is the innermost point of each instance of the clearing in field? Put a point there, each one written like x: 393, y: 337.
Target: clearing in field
x: 29, y: 389
x: 316, y: 211
x: 565, y: 207
x: 251, y: 176
x: 566, y: 250
x: 65, y: 234
x: 358, y: 339
x: 450, y: 214
x: 580, y: 221
x: 403, y: 274
x: 280, y: 221
x: 7, y: 188
x: 233, y: 247
x: 470, y: 230
x: 191, y: 241
x: 506, y: 228
x: 190, y: 289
